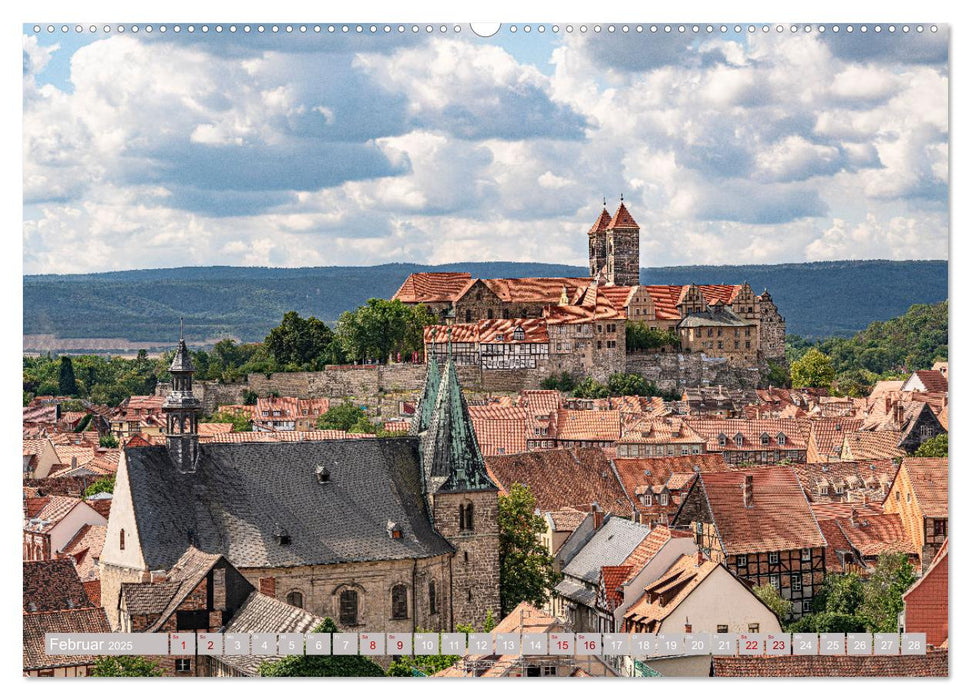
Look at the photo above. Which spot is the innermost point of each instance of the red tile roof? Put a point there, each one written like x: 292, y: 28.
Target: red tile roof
x: 500, y: 430
x: 925, y: 603
x: 602, y: 222
x: 547, y: 290
x: 664, y: 595
x: 826, y: 437
x: 778, y: 519
x: 567, y: 519
x: 46, y: 512
x: 657, y: 471
x: 932, y: 380
x: 836, y: 543
x: 85, y: 550
x: 602, y: 311
x: 934, y: 663
x: 613, y: 578
x: 832, y: 511
x: 622, y: 219
x: 432, y: 287
x: 52, y: 585
x: 560, y: 478
x: 872, y: 535
x: 928, y: 478
x: 873, y: 445
x: 588, y: 426
x: 496, y: 330
x: 37, y: 625
x: 796, y: 433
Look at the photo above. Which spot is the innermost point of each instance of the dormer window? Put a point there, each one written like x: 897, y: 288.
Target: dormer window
x: 282, y: 537
x: 739, y: 439
x: 765, y: 438
x: 663, y: 498
x: 518, y: 333
x: 394, y: 530
x: 781, y: 438
x: 647, y: 499
x: 323, y: 474
x: 722, y: 439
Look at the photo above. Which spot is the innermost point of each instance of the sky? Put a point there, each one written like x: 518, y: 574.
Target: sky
x: 145, y: 150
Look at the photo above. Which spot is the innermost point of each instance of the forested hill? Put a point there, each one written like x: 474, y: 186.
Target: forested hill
x: 817, y: 299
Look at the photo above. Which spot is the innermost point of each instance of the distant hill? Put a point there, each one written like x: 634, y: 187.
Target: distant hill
x: 817, y: 299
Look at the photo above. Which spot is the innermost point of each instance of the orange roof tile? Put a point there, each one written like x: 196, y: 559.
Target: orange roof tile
x: 796, y: 432
x: 932, y: 664
x: 601, y: 224
x: 779, y: 517
x: 832, y: 511
x: 872, y: 535
x: 613, y: 578
x: 432, y: 287
x: 588, y: 426
x: 545, y: 290
x: 932, y: 380
x: 500, y: 430
x: 559, y: 478
x: 873, y: 444
x: 622, y: 219
x: 495, y: 330
x: 928, y: 477
x: 663, y: 596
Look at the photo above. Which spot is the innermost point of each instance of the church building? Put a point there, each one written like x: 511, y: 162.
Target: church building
x: 388, y: 534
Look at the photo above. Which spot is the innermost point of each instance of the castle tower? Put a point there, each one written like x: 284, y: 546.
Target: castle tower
x: 598, y: 241
x: 181, y: 411
x: 623, y: 249
x: 463, y: 501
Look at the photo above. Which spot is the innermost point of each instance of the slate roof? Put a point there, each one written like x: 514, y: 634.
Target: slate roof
x: 716, y: 316
x: 37, y: 625
x: 243, y: 494
x: 609, y: 546
x: 934, y: 663
x: 261, y: 613
x: 52, y: 584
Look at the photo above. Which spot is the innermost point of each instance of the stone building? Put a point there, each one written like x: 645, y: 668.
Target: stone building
x: 752, y: 328
x: 389, y: 534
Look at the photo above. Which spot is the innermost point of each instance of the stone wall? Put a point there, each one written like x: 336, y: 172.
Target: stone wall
x: 674, y: 371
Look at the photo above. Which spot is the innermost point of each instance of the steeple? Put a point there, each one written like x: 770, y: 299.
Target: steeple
x: 426, y: 403
x: 181, y: 411
x: 622, y: 240
x: 451, y: 458
x: 598, y: 241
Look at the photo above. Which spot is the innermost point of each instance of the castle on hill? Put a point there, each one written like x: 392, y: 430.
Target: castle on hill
x: 580, y: 324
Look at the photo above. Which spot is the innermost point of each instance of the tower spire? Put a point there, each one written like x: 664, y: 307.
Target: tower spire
x: 181, y: 328
x: 181, y: 409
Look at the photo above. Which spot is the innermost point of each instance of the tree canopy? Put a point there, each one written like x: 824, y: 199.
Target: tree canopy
x: 526, y: 571
x: 935, y: 447
x: 381, y: 329
x: 315, y: 666
x: 125, y: 667
x: 814, y: 369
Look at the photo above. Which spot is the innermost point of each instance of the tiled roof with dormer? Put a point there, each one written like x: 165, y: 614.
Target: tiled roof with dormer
x: 432, y: 287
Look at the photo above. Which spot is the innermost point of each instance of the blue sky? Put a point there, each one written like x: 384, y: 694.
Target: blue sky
x: 151, y: 150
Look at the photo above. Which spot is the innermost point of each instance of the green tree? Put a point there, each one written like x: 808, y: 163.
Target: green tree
x: 105, y: 484
x: 563, y: 381
x: 768, y: 594
x: 250, y: 398
x: 67, y: 384
x: 313, y: 666
x: 778, y: 375
x: 343, y: 416
x: 300, y: 343
x: 590, y: 388
x: 125, y: 667
x: 814, y: 369
x: 883, y: 591
x: 622, y: 384
x: 381, y: 328
x: 241, y: 422
x: 828, y: 622
x: 364, y: 427
x: 109, y: 441
x: 641, y: 337
x: 526, y: 571
x: 935, y: 447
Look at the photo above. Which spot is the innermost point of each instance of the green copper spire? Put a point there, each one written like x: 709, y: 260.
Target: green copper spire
x: 426, y: 404
x: 451, y: 456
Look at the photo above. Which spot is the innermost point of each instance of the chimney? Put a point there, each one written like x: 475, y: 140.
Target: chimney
x: 687, y: 626
x: 898, y: 413
x: 886, y: 404
x: 866, y: 499
x: 853, y: 516
x: 74, y: 462
x: 598, y: 516
x: 701, y: 558
x: 747, y: 491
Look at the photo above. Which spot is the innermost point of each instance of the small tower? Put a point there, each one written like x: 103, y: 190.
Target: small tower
x: 623, y: 238
x: 598, y: 241
x: 181, y: 411
x: 464, y: 503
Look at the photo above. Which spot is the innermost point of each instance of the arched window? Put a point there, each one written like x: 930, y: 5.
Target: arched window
x: 432, y: 602
x: 348, y: 608
x: 121, y: 539
x: 295, y: 598
x: 399, y: 602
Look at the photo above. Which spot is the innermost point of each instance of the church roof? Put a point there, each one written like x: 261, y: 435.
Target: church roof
x: 451, y: 457
x: 601, y: 224
x: 244, y: 494
x: 622, y: 219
